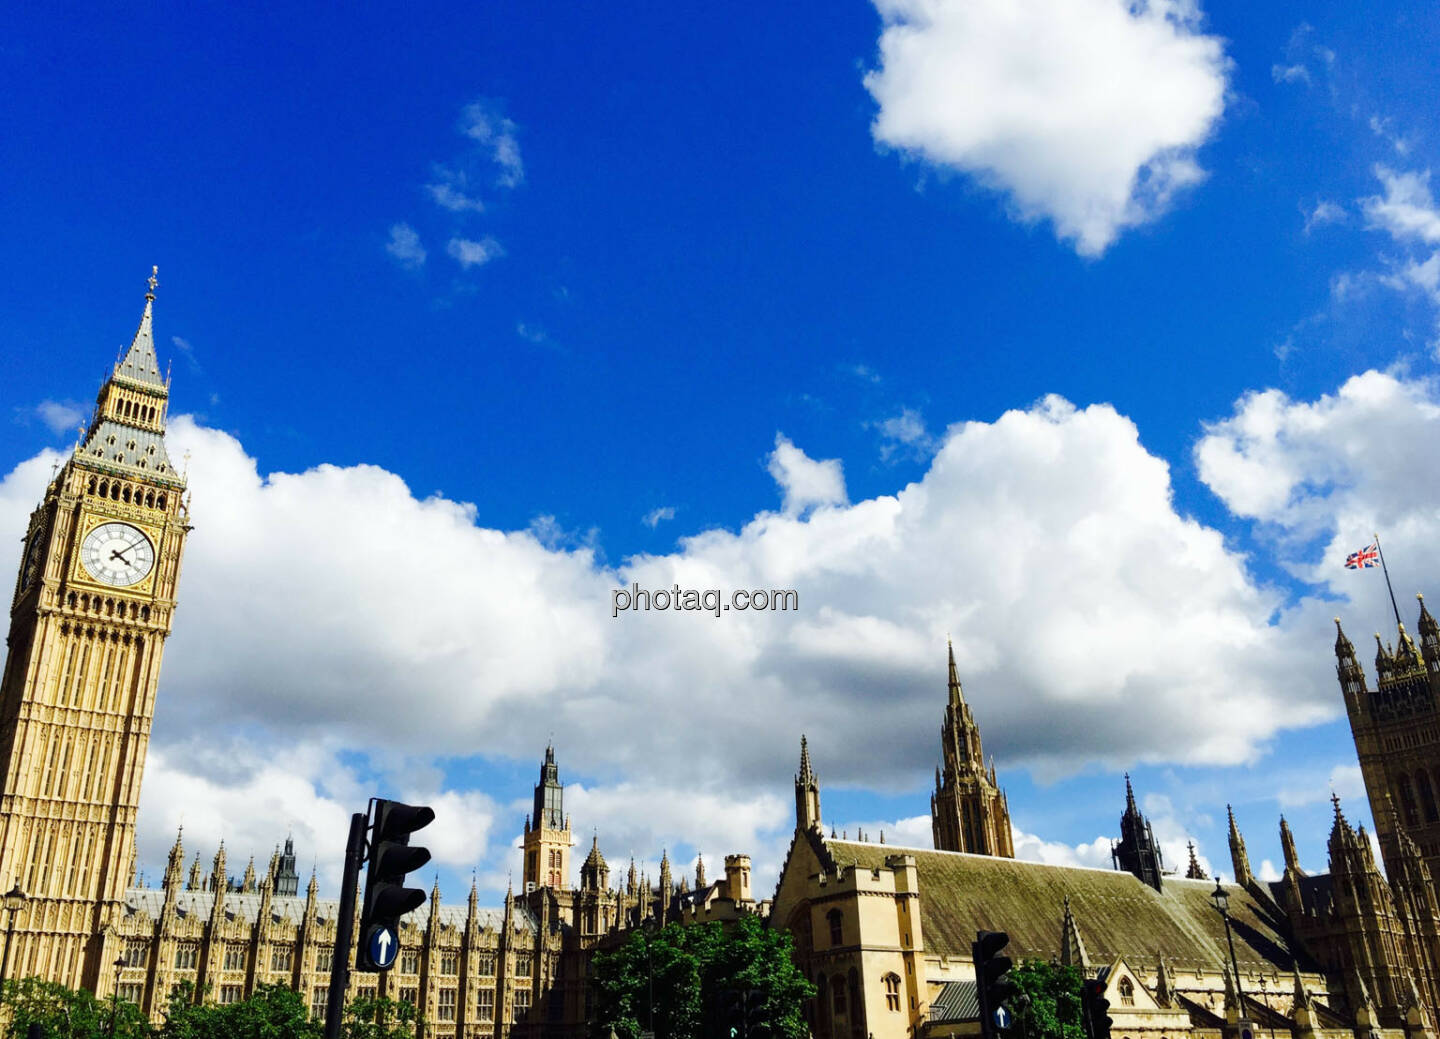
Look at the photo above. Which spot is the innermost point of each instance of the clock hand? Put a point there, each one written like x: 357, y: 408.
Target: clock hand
x: 117, y: 554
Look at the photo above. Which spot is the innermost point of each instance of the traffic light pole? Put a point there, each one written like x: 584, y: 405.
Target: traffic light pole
x: 345, y: 926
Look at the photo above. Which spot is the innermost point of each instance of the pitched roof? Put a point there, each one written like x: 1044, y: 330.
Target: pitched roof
x: 246, y: 906
x: 956, y: 1001
x: 962, y: 893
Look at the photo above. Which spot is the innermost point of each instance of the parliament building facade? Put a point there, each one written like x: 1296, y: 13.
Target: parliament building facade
x: 883, y: 931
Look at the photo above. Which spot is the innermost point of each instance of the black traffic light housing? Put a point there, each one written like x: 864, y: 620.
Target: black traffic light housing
x: 742, y: 1013
x: 387, y: 899
x: 993, y: 985
x: 1094, y: 1010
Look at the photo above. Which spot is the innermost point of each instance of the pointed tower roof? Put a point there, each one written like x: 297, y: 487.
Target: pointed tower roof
x: 806, y: 774
x: 1287, y: 846
x: 1343, y: 646
x: 957, y: 695
x: 699, y: 872
x: 1239, y: 857
x: 1164, y: 985
x: 595, y: 860
x: 1130, y: 797
x: 1072, y: 946
x: 1194, y: 872
x: 1427, y: 622
x: 140, y: 365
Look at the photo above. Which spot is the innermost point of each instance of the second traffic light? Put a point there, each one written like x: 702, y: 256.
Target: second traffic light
x: 993, y: 985
x: 387, y: 899
x: 1095, y: 1010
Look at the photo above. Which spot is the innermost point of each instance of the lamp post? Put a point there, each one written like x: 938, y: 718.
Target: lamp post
x: 115, y: 995
x: 1222, y: 905
x: 1265, y: 998
x: 14, y: 902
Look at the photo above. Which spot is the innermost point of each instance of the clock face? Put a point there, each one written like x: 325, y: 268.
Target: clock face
x: 117, y: 554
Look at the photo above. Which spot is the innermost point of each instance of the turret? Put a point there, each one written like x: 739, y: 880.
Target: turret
x: 1407, y: 657
x: 1239, y: 860
x: 699, y: 872
x: 1384, y: 661
x: 807, y: 792
x: 1137, y: 851
x: 247, y: 882
x: 737, y: 877
x: 193, y: 884
x: 594, y: 873
x: 175, y: 865
x: 1348, y: 672
x: 1429, y: 637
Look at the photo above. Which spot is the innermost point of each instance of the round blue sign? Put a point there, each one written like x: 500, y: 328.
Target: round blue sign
x: 1002, y: 1017
x: 382, y: 946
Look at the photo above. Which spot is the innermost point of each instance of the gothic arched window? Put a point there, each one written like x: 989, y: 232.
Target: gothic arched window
x: 837, y: 930
x: 1127, y: 992
x: 892, y: 991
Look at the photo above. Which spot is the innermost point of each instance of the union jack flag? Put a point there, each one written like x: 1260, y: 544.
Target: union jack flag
x: 1367, y: 557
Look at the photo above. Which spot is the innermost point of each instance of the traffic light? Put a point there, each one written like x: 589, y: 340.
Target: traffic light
x: 1094, y: 1010
x: 732, y: 1013
x: 756, y: 1023
x: 993, y: 985
x: 387, y: 898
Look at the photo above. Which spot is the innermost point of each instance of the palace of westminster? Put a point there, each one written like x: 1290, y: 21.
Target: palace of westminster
x: 883, y: 931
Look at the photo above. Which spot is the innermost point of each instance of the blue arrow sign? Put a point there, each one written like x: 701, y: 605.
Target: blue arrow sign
x: 382, y: 947
x: 1002, y: 1017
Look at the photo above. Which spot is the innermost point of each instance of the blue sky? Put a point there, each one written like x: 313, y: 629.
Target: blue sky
x: 582, y: 266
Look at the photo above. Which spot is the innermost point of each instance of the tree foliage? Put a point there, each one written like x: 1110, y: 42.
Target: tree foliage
x: 685, y: 968
x: 1053, y: 1007
x: 271, y: 1012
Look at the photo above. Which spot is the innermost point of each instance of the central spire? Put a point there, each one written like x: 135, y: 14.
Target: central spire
x: 957, y: 695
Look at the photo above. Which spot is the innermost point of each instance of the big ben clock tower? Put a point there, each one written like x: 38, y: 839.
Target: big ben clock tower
x: 93, y: 605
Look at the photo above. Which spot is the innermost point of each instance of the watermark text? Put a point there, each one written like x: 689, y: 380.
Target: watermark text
x: 706, y: 600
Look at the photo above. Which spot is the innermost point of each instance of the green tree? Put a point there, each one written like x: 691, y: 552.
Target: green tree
x: 1053, y: 1007
x: 380, y: 1018
x: 271, y: 1012
x: 686, y: 969
x: 69, y: 1014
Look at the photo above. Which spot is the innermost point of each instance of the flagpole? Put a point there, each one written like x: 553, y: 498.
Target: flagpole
x: 1386, y: 570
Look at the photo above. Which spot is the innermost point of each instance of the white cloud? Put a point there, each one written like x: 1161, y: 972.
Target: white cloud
x: 448, y: 196
x: 1407, y: 210
x: 1018, y: 95
x: 804, y: 482
x: 60, y: 417
x: 408, y: 632
x: 1325, y: 212
x: 1290, y: 74
x: 1344, y: 780
x: 468, y: 253
x: 482, y: 122
x: 905, y: 432
x: 404, y: 246
x: 657, y: 516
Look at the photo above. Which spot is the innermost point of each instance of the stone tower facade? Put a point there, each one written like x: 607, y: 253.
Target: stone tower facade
x: 547, y: 832
x: 1137, y: 851
x: 1396, y: 727
x: 93, y: 607
x: 968, y: 810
